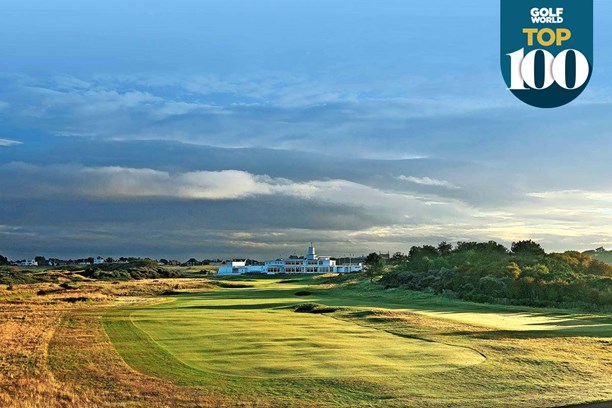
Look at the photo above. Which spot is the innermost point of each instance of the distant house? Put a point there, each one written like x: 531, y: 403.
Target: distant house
x: 192, y: 262
x: 236, y: 267
x: 27, y: 262
x: 98, y: 261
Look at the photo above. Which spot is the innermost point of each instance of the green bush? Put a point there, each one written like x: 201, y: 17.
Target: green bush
x: 139, y: 269
x: 488, y: 272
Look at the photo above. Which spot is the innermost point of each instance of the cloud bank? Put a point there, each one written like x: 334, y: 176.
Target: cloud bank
x: 257, y: 213
x: 8, y: 142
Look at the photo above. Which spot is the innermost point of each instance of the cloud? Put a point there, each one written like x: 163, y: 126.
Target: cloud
x: 573, y: 196
x: 9, y: 142
x: 113, y: 182
x: 109, y: 182
x: 428, y: 181
x: 280, y: 110
x: 239, y: 213
x: 413, y: 117
x: 381, y: 169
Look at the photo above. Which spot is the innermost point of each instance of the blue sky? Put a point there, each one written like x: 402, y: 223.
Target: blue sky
x: 248, y: 128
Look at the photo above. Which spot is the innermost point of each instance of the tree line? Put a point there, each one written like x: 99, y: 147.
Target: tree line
x: 489, y: 272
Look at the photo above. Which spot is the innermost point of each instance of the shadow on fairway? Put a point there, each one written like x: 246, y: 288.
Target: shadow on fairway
x: 237, y: 306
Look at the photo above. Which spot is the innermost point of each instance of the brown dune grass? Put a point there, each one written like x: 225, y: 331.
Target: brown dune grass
x: 26, y: 382
x: 55, y: 353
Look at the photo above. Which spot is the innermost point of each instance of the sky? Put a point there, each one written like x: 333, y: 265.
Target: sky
x: 242, y: 128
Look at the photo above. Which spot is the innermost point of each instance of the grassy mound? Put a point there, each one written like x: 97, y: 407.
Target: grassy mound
x: 12, y: 275
x: 314, y: 308
x: 140, y: 269
x: 231, y: 285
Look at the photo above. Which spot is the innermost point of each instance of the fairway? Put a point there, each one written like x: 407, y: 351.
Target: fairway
x: 246, y: 338
x: 375, y: 347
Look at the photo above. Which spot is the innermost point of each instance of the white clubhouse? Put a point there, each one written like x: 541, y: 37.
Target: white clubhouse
x: 312, y: 263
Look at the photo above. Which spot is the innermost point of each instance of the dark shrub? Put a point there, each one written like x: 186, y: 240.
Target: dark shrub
x: 68, y: 286
x: 75, y: 299
x: 230, y: 285
x: 44, y: 292
x: 139, y: 269
x: 314, y: 308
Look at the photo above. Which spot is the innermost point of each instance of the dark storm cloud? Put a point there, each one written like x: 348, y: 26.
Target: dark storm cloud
x: 72, y: 227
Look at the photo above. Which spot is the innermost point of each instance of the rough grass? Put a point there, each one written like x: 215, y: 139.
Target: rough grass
x: 55, y: 353
x: 25, y: 380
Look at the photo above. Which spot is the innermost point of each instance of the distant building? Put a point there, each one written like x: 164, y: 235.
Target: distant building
x: 27, y: 262
x: 238, y: 267
x: 98, y: 261
x: 310, y: 264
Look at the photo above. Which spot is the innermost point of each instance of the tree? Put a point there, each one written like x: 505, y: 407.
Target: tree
x: 439, y: 263
x: 375, y: 266
x: 399, y: 258
x: 527, y: 248
x: 163, y: 261
x: 493, y: 247
x: 599, y: 268
x: 444, y: 248
x: 514, y: 270
x: 419, y: 252
x: 463, y: 246
x: 420, y: 258
x: 537, y: 271
x: 41, y: 260
x: 373, y: 258
x: 4, y: 260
